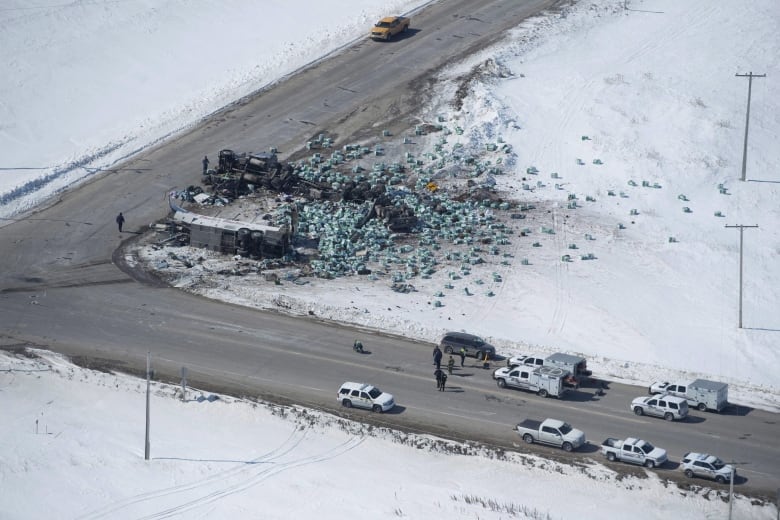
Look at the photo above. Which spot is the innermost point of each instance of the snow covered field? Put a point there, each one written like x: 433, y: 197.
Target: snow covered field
x: 633, y: 137
x: 653, y: 91
x: 74, y: 448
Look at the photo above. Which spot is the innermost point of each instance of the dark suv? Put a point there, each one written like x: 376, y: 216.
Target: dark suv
x: 475, y: 346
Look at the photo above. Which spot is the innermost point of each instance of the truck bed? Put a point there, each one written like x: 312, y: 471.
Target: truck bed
x: 530, y: 424
x: 611, y: 442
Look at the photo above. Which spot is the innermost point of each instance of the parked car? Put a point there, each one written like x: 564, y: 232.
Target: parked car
x: 533, y: 361
x: 362, y: 395
x: 452, y: 342
x: 706, y: 465
x: 545, y: 381
x: 669, y: 407
x: 701, y: 393
x: 552, y: 432
x: 633, y: 450
x: 389, y: 26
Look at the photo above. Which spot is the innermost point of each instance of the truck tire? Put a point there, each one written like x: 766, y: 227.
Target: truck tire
x: 650, y: 464
x: 528, y: 438
x: 611, y: 456
x: 701, y: 407
x: 501, y: 383
x: 567, y: 447
x: 689, y: 473
x: 669, y: 416
x: 347, y: 403
x: 638, y: 410
x: 542, y: 393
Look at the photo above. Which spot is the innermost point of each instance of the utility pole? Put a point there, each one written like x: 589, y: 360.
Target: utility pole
x: 731, y: 483
x: 148, y: 378
x: 741, y: 241
x: 750, y: 77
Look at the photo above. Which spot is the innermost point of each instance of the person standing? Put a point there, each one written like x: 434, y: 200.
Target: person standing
x: 443, y: 382
x: 450, y: 364
x: 437, y: 357
x: 205, y: 164
x: 439, y: 376
x: 120, y: 220
x: 462, y: 356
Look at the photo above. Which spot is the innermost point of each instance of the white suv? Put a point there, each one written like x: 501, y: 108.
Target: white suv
x: 705, y: 465
x: 669, y: 407
x: 361, y: 395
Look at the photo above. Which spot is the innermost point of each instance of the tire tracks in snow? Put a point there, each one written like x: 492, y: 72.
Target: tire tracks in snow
x: 295, y: 438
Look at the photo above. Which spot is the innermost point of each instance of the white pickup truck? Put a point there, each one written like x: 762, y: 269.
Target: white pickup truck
x: 635, y: 451
x: 545, y: 381
x: 552, y: 432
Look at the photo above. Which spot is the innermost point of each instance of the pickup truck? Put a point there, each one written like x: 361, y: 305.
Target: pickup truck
x: 389, y: 26
x: 534, y: 361
x: 545, y: 381
x: 635, y: 451
x: 552, y: 432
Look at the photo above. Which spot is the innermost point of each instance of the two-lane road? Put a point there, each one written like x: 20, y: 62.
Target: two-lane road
x: 60, y: 289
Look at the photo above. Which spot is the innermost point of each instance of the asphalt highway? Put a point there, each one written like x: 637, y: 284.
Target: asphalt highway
x: 65, y: 286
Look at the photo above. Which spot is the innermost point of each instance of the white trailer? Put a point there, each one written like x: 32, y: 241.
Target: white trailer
x: 701, y: 394
x: 577, y: 365
x: 545, y: 381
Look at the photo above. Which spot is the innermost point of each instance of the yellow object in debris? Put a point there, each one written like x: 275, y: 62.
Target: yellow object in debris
x: 432, y: 186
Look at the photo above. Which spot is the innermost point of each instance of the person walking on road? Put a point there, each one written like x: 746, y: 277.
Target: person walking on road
x: 437, y: 357
x: 205, y: 164
x: 439, y: 376
x: 120, y: 220
x: 462, y: 356
x: 443, y: 382
x: 450, y: 364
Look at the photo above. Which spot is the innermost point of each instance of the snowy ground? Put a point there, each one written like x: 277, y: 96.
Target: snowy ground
x: 629, y: 132
x: 74, y: 444
x: 86, y: 84
x: 654, y: 91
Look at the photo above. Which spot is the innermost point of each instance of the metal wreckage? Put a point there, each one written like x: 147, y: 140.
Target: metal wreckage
x: 242, y: 174
x: 393, y: 217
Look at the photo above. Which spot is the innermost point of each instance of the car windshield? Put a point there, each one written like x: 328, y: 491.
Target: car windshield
x: 479, y: 342
x: 718, y: 464
x: 566, y: 428
x: 374, y: 393
x: 383, y: 24
x: 647, y: 448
